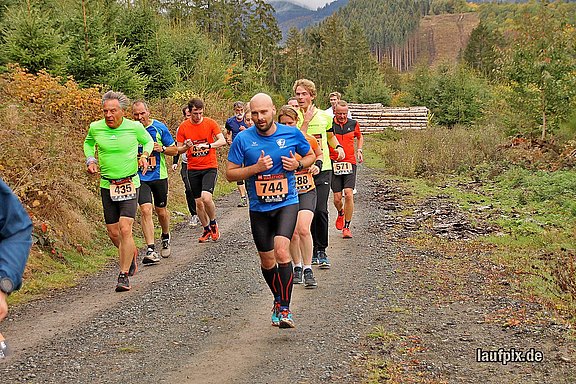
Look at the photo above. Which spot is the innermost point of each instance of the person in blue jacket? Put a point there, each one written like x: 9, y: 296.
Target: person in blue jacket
x: 15, y: 242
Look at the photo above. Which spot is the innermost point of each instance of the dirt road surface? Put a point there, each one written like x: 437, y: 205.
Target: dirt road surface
x: 385, y: 311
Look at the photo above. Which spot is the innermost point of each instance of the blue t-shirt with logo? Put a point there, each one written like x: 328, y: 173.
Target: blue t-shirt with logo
x: 160, y: 134
x: 234, y: 125
x: 276, y: 187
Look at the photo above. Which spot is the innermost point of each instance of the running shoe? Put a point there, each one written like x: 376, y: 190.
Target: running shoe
x: 286, y: 320
x: 315, y: 259
x: 214, y: 231
x: 165, y: 251
x: 134, y: 264
x: 206, y: 235
x: 151, y: 257
x: 123, y: 283
x: 194, y: 221
x: 243, y: 202
x: 309, y: 280
x: 346, y: 233
x: 297, y: 279
x: 276, y: 314
x: 340, y: 221
x: 323, y: 260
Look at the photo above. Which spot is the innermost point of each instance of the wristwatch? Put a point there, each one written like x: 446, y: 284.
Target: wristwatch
x: 300, y: 166
x: 163, y: 148
x: 6, y: 285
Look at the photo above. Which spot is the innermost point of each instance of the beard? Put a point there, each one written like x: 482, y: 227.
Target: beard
x: 265, y: 128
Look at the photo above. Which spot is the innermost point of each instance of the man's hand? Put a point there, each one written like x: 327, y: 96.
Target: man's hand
x: 157, y: 147
x: 143, y: 164
x: 264, y: 163
x: 3, y: 305
x: 341, y: 154
x: 290, y: 163
x: 92, y: 168
x: 360, y: 156
x: 314, y: 170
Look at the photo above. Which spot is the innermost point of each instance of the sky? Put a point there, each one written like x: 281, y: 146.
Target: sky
x: 310, y: 4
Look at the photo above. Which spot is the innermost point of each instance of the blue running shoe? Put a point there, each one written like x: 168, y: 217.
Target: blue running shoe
x: 276, y: 314
x: 315, y: 259
x: 286, y: 320
x: 323, y: 260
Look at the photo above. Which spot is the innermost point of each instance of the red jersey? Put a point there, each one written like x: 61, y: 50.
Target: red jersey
x: 204, y: 132
x: 345, y: 133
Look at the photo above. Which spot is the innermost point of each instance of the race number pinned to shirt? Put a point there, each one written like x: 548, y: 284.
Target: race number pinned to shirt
x: 342, y: 168
x: 304, y: 181
x: 122, y: 189
x: 151, y: 163
x: 199, y: 152
x: 271, y: 188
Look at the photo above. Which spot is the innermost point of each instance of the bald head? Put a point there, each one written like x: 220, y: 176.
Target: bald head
x: 263, y: 113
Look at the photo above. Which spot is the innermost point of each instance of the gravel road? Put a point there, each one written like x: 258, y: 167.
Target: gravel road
x: 203, y: 316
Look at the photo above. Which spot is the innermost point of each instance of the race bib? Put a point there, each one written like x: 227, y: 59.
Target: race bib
x: 342, y: 168
x: 122, y: 189
x: 199, y: 152
x: 304, y: 181
x: 271, y: 188
x: 151, y: 163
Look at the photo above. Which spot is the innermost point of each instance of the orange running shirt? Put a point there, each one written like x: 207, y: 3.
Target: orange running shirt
x: 204, y: 132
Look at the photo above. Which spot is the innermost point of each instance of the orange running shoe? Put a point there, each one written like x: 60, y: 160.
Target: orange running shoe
x: 214, y: 231
x: 340, y: 221
x: 346, y: 233
x: 205, y: 236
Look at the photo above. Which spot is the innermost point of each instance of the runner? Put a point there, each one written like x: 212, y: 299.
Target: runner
x: 301, y: 243
x: 344, y: 177
x: 335, y: 97
x: 154, y: 184
x: 293, y: 103
x: 117, y: 139
x: 234, y: 125
x: 197, y: 137
x: 318, y: 124
x: 15, y: 242
x: 194, y: 220
x: 248, y: 117
x: 265, y: 156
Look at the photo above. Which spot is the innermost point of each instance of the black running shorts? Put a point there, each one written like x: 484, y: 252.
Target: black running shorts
x: 340, y: 182
x: 113, y: 210
x: 204, y: 180
x: 267, y: 225
x: 157, y: 189
x: 308, y: 200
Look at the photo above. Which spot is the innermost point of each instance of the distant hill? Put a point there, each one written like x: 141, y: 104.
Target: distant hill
x: 290, y: 15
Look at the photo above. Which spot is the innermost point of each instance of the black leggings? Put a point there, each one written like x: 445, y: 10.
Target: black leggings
x: 319, y: 226
x: 189, y: 196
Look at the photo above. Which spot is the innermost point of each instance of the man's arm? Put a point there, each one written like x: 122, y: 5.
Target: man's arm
x: 333, y: 142
x: 15, y: 241
x: 236, y: 172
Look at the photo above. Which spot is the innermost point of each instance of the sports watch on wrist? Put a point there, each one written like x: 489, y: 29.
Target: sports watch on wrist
x: 6, y: 285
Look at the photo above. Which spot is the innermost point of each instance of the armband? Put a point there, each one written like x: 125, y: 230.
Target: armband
x: 209, y: 145
x: 318, y: 163
x: 338, y: 146
x: 91, y: 160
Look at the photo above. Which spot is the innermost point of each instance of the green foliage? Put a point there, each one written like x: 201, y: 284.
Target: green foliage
x: 483, y: 50
x: 369, y: 87
x: 32, y: 39
x: 540, y: 67
x: 454, y: 95
x: 438, y: 7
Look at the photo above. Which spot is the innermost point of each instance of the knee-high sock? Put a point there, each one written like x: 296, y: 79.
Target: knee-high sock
x: 285, y: 273
x: 271, y: 277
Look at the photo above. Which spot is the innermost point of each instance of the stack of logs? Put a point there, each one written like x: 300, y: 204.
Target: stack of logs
x: 376, y: 118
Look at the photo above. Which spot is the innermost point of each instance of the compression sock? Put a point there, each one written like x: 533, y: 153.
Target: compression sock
x: 271, y: 278
x: 285, y: 272
x: 346, y: 224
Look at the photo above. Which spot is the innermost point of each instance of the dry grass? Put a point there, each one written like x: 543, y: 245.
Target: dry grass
x: 437, y: 150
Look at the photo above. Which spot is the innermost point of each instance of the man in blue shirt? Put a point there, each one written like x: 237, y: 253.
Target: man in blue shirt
x: 154, y: 184
x: 235, y: 125
x: 15, y: 242
x: 265, y: 156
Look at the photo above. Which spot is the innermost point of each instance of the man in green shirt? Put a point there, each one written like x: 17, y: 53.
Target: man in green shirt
x: 117, y: 139
x: 318, y: 123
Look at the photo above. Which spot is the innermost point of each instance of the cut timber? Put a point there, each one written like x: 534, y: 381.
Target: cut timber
x: 377, y: 118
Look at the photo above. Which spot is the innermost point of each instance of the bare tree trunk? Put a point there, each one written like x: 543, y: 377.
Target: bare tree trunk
x: 85, y: 26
